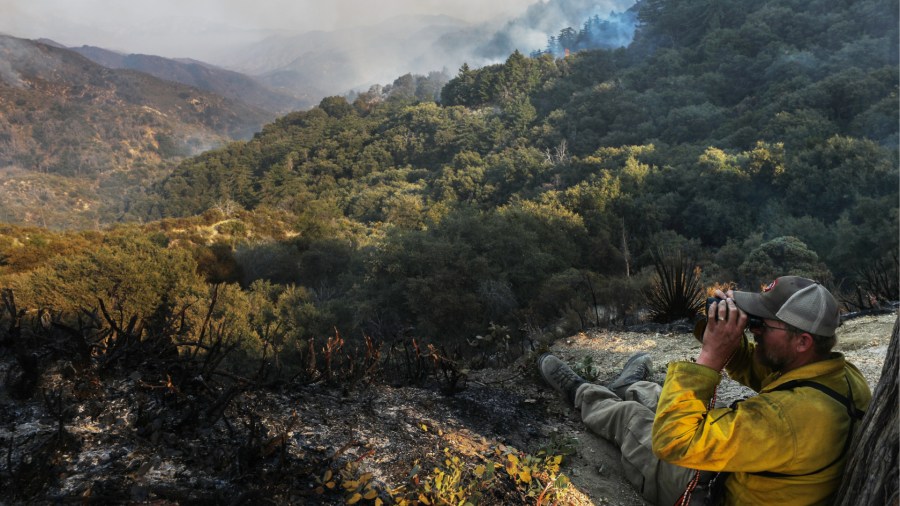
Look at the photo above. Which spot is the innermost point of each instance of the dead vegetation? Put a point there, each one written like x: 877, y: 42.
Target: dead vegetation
x: 106, y: 408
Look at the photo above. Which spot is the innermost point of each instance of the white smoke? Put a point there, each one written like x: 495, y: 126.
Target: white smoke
x: 10, y: 76
x: 202, y: 28
x: 11, y: 50
x: 530, y: 31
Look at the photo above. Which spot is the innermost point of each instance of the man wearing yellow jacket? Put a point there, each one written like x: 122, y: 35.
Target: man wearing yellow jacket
x: 786, y: 445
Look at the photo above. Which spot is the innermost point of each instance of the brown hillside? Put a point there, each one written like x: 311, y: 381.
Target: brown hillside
x: 113, y: 131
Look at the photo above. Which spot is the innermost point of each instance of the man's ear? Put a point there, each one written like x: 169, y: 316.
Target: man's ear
x: 804, y: 342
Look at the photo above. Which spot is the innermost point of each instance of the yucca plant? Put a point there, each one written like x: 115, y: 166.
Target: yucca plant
x: 677, y: 291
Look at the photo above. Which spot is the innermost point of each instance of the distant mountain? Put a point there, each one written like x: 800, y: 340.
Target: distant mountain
x: 63, y: 113
x: 65, y: 120
x: 47, y: 42
x: 105, y: 57
x: 204, y: 76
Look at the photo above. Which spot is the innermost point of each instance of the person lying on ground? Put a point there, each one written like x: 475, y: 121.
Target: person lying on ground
x: 785, y: 445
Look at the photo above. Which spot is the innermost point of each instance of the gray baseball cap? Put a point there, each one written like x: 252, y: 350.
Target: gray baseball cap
x: 800, y: 302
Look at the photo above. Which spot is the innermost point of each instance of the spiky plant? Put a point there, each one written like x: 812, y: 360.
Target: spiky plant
x: 676, y: 291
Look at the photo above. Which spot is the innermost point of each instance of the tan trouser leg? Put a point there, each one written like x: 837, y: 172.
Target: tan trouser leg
x: 628, y: 424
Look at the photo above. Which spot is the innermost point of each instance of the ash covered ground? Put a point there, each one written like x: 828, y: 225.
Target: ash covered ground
x: 143, y: 426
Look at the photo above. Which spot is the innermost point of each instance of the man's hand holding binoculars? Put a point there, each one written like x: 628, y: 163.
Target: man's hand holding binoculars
x: 724, y: 331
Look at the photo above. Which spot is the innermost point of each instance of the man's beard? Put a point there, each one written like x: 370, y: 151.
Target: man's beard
x: 767, y: 359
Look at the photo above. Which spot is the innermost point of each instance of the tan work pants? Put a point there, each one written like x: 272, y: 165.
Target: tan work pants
x: 628, y: 423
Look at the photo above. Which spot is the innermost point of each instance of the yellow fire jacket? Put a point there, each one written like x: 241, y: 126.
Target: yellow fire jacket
x: 783, y: 446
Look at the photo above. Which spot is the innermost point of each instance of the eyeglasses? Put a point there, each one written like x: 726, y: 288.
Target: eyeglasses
x: 757, y: 323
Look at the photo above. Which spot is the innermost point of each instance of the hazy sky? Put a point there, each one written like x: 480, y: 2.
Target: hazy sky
x: 198, y: 28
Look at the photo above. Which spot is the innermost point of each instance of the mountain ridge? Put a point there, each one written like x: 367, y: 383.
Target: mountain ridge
x: 205, y: 76
x: 38, y: 77
x: 61, y: 114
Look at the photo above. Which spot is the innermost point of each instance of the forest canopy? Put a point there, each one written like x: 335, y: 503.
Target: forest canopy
x: 758, y: 139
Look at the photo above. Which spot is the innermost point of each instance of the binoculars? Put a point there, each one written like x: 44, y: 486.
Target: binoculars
x: 753, y: 322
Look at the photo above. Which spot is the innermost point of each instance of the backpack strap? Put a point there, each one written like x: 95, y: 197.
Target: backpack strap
x: 852, y: 411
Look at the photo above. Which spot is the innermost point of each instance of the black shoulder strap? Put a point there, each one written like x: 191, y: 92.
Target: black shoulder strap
x: 854, y: 413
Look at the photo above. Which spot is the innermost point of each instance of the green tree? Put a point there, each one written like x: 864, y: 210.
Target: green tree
x: 459, y: 90
x: 838, y: 173
x: 336, y: 107
x: 779, y: 257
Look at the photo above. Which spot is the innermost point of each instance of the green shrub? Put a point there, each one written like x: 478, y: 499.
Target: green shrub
x: 130, y: 272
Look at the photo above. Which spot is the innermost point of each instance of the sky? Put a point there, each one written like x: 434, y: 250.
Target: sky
x: 201, y: 28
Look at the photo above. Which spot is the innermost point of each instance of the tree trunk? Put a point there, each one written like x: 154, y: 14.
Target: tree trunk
x: 871, y: 476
